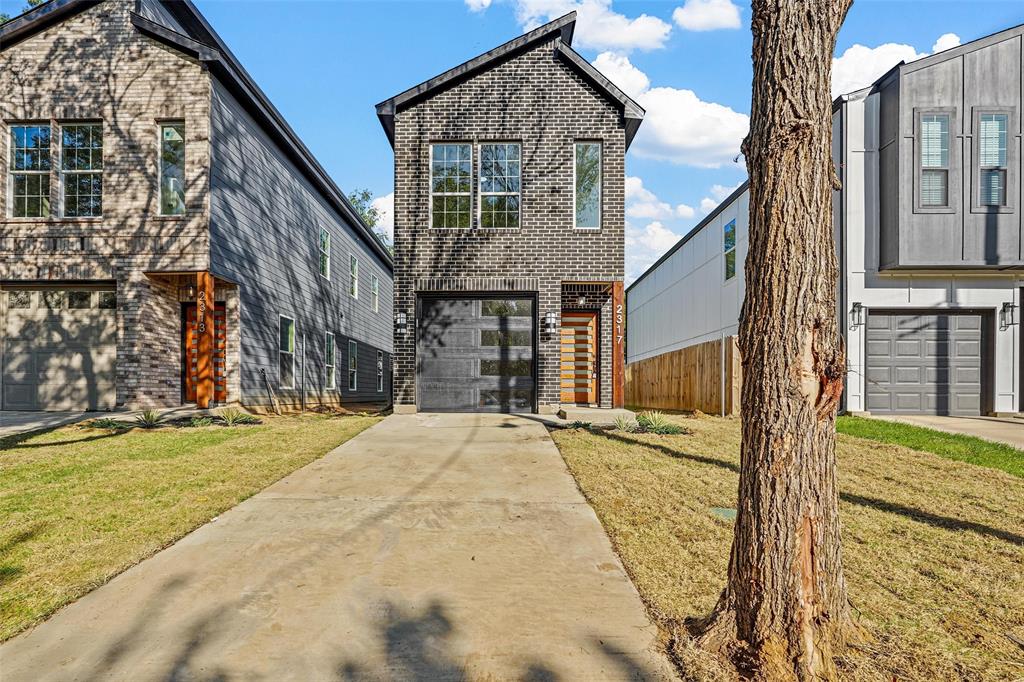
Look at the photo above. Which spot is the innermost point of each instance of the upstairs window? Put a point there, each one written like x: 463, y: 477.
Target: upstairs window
x: 81, y: 163
x: 587, y: 180
x: 324, y: 245
x: 499, y: 185
x: 286, y: 353
x: 172, y: 169
x: 353, y: 364
x: 375, y: 293
x: 329, y: 354
x: 30, y: 171
x: 451, y: 185
x: 729, y: 248
x: 353, y: 276
x: 933, y: 139
x: 992, y: 134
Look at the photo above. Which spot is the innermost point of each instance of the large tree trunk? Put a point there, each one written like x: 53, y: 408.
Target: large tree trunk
x: 784, y: 614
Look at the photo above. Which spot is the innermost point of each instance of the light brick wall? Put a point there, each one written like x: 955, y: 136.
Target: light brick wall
x: 537, y: 100
x: 97, y: 66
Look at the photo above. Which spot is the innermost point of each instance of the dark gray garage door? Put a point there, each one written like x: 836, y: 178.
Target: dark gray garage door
x: 475, y: 355
x: 924, y: 363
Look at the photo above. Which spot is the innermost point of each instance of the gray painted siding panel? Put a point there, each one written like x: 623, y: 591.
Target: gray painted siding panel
x: 155, y: 11
x: 265, y: 219
x: 888, y: 172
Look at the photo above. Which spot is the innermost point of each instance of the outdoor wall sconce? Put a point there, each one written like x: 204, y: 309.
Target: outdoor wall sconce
x: 400, y: 323
x: 1008, y: 315
x: 856, y: 316
x: 581, y: 301
x: 189, y: 292
x: 551, y: 322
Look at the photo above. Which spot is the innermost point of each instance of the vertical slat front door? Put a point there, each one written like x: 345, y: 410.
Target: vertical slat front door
x: 579, y: 357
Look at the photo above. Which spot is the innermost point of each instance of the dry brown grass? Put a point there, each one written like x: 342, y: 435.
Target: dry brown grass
x: 933, y: 548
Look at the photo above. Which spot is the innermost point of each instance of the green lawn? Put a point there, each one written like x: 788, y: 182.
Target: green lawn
x: 950, y: 445
x: 80, y: 505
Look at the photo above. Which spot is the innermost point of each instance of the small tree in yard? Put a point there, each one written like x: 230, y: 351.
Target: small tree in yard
x: 784, y: 614
x: 362, y: 201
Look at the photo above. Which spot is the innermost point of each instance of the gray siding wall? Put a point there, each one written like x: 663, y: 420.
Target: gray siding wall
x: 155, y: 11
x: 265, y: 218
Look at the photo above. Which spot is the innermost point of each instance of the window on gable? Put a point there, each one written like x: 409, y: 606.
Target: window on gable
x: 729, y: 248
x: 451, y: 185
x: 172, y: 169
x: 353, y: 365
x: 286, y: 353
x: 587, y: 174
x: 329, y: 353
x: 324, y: 245
x: 992, y: 153
x: 30, y: 171
x: 933, y: 138
x: 81, y: 163
x: 353, y: 276
x: 500, y: 168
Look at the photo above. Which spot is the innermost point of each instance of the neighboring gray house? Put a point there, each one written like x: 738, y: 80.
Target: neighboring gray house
x: 509, y: 230
x: 928, y: 233
x: 165, y: 237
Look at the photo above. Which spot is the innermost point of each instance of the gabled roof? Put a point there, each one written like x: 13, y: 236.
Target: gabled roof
x: 562, y: 28
x: 203, y: 44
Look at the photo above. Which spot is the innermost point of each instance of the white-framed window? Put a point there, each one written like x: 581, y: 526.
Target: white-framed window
x: 375, y: 293
x: 587, y: 185
x: 992, y: 158
x: 353, y: 276
x: 933, y: 158
x: 286, y: 353
x: 451, y: 185
x: 380, y: 371
x: 330, y: 376
x: 324, y: 246
x: 729, y: 249
x: 30, y: 171
x: 81, y: 170
x: 353, y: 365
x: 172, y: 168
x: 500, y: 174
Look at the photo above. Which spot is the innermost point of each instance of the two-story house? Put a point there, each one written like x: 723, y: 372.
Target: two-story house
x: 165, y: 237
x: 928, y: 235
x: 509, y: 230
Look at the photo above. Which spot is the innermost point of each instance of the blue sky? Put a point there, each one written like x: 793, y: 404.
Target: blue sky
x: 325, y: 63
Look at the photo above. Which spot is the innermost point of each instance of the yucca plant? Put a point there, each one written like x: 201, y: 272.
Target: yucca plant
x: 625, y: 424
x: 653, y: 421
x: 197, y: 422
x: 149, y: 419
x: 235, y: 417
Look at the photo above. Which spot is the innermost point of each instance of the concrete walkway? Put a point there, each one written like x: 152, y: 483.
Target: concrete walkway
x: 1009, y: 430
x: 430, y: 547
x: 13, y: 422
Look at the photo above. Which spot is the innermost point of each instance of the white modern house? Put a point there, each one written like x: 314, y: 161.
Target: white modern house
x: 928, y: 234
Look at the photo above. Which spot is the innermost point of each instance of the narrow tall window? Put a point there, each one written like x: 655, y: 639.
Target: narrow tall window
x: 451, y: 185
x: 353, y: 364
x: 30, y: 171
x: 330, y: 379
x: 588, y: 185
x: 380, y: 371
x: 353, y: 276
x: 499, y: 185
x: 729, y: 247
x: 81, y: 163
x: 934, y: 143
x: 375, y: 292
x: 172, y: 169
x: 992, y: 159
x: 325, y: 253
x: 286, y: 348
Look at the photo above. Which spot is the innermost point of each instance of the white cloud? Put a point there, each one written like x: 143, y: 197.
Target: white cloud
x: 598, y: 26
x: 645, y: 245
x: 718, y: 195
x: 707, y: 15
x: 679, y: 127
x: 386, y: 206
x: 859, y: 66
x: 478, y: 5
x: 707, y: 205
x: 642, y: 203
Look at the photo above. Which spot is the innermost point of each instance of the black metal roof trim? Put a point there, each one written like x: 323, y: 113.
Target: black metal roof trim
x: 692, y: 233
x: 182, y: 43
x: 564, y: 26
x: 39, y: 18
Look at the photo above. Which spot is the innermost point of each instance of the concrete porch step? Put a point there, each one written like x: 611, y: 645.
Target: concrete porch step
x: 598, y: 416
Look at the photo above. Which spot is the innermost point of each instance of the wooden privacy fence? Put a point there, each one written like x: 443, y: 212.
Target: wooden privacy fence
x: 703, y: 377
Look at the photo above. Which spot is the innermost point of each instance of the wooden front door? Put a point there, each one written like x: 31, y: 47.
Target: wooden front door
x: 579, y: 357
x: 220, y: 343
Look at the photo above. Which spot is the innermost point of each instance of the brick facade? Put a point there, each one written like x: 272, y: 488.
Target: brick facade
x: 130, y: 83
x: 536, y: 99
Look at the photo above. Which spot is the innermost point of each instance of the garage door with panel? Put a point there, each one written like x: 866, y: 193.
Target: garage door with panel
x: 924, y: 363
x: 475, y: 355
x: 59, y: 349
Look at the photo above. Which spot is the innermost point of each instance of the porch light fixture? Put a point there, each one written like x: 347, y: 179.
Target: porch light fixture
x: 189, y: 291
x: 857, y: 315
x: 551, y: 322
x: 400, y: 323
x: 1008, y: 315
x: 581, y: 301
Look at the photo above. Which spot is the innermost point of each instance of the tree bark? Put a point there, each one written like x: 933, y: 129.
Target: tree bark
x: 784, y: 614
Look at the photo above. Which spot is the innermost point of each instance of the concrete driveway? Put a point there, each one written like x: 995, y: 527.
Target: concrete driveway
x: 1009, y: 430
x: 13, y: 422
x: 430, y: 547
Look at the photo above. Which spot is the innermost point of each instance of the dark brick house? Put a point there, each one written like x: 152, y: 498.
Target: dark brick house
x: 165, y: 237
x: 509, y: 230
